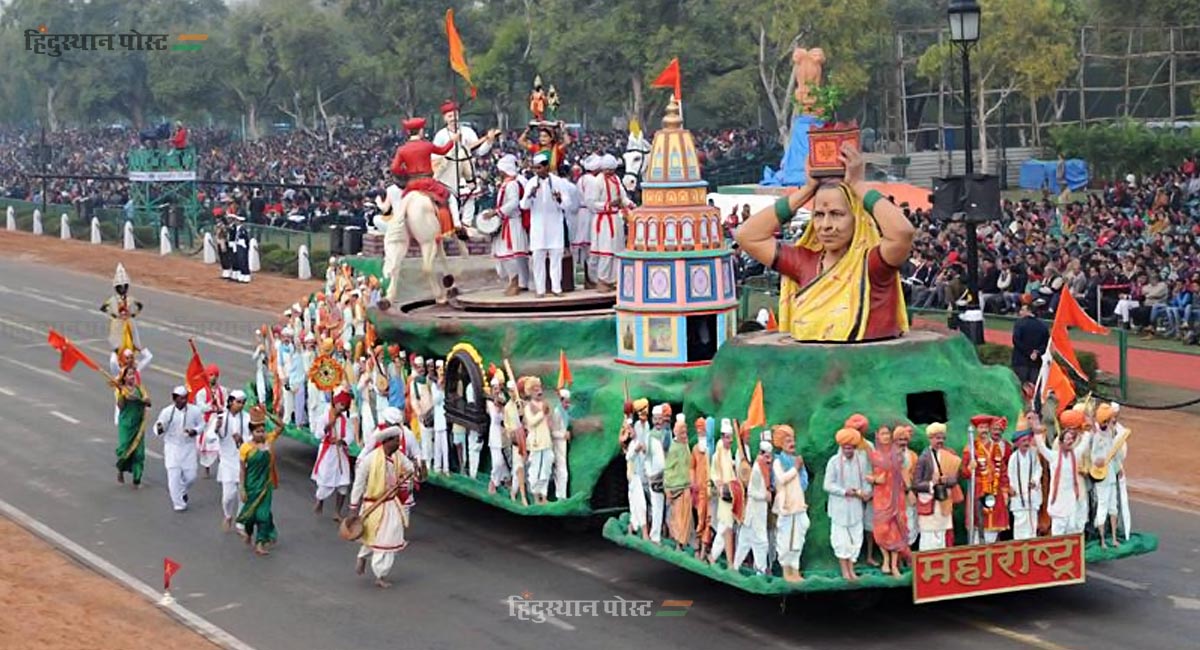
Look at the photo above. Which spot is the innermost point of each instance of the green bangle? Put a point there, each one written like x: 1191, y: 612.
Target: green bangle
x: 783, y: 209
x: 870, y: 199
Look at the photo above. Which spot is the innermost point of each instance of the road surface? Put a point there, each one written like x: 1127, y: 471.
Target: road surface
x: 465, y: 559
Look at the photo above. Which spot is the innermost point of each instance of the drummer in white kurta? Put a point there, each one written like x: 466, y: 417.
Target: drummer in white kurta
x: 608, y: 199
x: 331, y: 472
x: 382, y: 476
x: 546, y: 197
x: 510, y: 247
x: 211, y: 400
x: 178, y: 425
x: 581, y: 238
x: 231, y: 429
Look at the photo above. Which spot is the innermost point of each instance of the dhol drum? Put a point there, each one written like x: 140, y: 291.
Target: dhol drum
x: 488, y: 222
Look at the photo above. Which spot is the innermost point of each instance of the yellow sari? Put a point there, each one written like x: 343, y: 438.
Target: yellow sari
x: 836, y: 305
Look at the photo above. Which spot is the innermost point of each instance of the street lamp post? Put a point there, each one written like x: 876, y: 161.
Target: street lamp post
x: 964, y: 31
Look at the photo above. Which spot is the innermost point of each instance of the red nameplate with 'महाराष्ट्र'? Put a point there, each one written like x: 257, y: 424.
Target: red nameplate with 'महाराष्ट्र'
x: 965, y: 571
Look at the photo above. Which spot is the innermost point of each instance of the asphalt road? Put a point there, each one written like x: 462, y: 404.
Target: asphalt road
x: 465, y: 559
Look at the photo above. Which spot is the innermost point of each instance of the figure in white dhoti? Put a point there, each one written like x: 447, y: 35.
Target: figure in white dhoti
x: 581, y: 237
x: 791, y: 508
x: 546, y: 198
x: 518, y: 450
x: 379, y: 492
x: 331, y: 472
x: 1024, y: 483
x: 510, y: 247
x: 1107, y: 456
x: 210, y: 399
x: 846, y: 482
x: 561, y: 435
x: 655, y: 464
x: 441, y: 444
x: 729, y: 490
x: 496, y: 435
x: 291, y: 370
x: 538, y: 439
x: 456, y: 169
x: 178, y: 425
x: 935, y: 482
x: 1067, y: 502
x: 231, y: 429
x: 608, y: 200
x: 635, y: 455
x: 753, y: 535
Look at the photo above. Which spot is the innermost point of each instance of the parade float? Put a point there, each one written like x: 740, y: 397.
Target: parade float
x: 670, y: 335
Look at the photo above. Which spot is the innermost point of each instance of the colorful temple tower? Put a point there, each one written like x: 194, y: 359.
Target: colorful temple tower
x: 676, y: 297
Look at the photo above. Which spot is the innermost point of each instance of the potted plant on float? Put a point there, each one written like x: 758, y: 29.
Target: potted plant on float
x: 825, y: 142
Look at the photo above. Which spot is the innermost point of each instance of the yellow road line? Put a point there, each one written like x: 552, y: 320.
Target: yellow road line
x: 1030, y: 640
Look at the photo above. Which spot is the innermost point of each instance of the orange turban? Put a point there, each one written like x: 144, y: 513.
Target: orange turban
x: 1104, y: 413
x: 1071, y: 419
x: 858, y: 422
x: 848, y: 436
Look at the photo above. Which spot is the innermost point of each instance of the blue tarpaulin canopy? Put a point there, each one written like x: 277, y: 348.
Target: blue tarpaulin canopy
x: 1036, y: 174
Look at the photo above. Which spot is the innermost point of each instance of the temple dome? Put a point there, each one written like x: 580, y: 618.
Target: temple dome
x: 673, y: 158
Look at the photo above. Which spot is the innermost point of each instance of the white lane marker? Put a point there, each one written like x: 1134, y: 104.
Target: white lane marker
x: 5, y: 391
x: 22, y: 326
x: 553, y: 620
x: 1128, y: 584
x: 1181, y: 602
x: 181, y: 613
x: 64, y: 417
x: 169, y: 372
x: 222, y: 608
x: 41, y: 371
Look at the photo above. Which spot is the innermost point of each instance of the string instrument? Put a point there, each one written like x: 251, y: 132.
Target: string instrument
x: 1100, y: 472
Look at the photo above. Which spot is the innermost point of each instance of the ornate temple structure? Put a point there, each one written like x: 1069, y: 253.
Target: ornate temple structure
x: 676, y: 294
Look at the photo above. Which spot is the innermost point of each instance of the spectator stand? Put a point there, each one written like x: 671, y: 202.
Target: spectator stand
x: 163, y: 184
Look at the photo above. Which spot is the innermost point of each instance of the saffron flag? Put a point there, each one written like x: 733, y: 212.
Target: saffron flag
x: 71, y: 355
x: 772, y: 324
x: 458, y: 59
x: 170, y: 568
x: 670, y: 78
x: 196, y: 375
x: 756, y: 415
x: 1060, y: 384
x: 564, y: 370
x: 1070, y: 314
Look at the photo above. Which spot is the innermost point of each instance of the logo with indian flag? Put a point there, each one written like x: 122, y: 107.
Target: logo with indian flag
x: 189, y: 43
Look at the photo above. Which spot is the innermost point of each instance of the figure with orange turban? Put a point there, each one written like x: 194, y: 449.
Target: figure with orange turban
x: 1107, y: 455
x: 210, y: 399
x: 677, y: 483
x: 791, y: 508
x: 988, y: 460
x: 888, y: 497
x: 701, y: 489
x: 848, y: 486
x: 903, y: 437
x: 1024, y: 483
x: 860, y: 423
x: 1068, y: 501
x: 936, y: 485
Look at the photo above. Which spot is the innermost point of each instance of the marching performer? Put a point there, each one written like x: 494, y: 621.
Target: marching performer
x: 1068, y: 502
x: 413, y: 160
x: 381, y: 486
x: 1024, y: 483
x: 516, y: 434
x: 510, y: 246
x: 178, y: 424
x: 232, y: 431
x: 791, y: 509
x: 546, y: 199
x: 581, y: 239
x: 1107, y: 455
x: 211, y: 400
x: 607, y: 199
x: 258, y: 480
x: 132, y: 402
x: 331, y: 472
x: 459, y: 185
x: 122, y: 308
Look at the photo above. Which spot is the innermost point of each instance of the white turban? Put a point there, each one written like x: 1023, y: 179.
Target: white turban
x: 287, y: 331
x: 726, y: 426
x: 508, y: 165
x: 388, y: 433
x: 609, y: 162
x: 393, y: 415
x: 765, y: 446
x: 591, y: 163
x: 179, y: 391
x: 239, y: 395
x: 564, y: 394
x: 656, y: 411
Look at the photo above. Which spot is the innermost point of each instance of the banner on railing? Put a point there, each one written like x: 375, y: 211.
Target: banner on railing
x: 163, y: 176
x: 979, y: 569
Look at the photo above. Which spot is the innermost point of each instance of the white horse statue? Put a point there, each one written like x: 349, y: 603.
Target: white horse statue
x: 634, y: 156
x: 412, y: 217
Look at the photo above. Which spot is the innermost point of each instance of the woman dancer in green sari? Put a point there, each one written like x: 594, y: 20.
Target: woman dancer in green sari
x: 132, y: 402
x: 258, y: 483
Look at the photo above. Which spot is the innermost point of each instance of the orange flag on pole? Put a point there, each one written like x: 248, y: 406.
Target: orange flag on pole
x: 756, y: 415
x: 1070, y: 314
x: 196, y: 376
x: 670, y: 78
x: 564, y: 371
x: 170, y: 568
x: 71, y: 355
x: 458, y: 58
x: 1060, y: 384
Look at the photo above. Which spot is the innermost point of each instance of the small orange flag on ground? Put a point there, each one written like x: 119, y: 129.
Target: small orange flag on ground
x: 458, y: 58
x: 71, y: 355
x: 564, y: 370
x: 170, y: 568
x: 772, y: 324
x: 670, y: 78
x: 756, y: 415
x: 196, y: 376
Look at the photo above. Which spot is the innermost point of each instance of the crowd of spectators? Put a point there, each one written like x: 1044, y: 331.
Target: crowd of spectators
x: 326, y: 182
x: 1129, y: 254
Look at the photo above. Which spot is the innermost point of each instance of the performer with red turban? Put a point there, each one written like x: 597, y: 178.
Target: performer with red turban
x: 331, y: 472
x: 414, y: 160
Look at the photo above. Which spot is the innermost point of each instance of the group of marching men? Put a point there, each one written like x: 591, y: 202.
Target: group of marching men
x: 544, y: 215
x: 881, y: 490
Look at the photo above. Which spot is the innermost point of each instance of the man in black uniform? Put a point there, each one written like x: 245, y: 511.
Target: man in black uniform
x: 1029, y: 337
